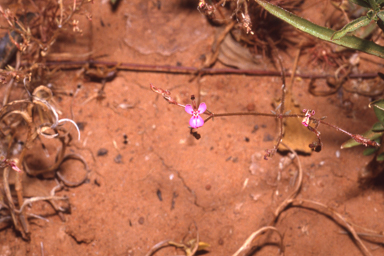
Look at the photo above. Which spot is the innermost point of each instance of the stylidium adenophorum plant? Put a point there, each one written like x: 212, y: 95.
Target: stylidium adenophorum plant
x: 197, y: 121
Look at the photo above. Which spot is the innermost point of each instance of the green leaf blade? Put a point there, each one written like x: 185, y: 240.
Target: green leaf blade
x: 322, y: 32
x: 378, y: 127
x: 374, y: 5
x: 362, y: 3
x: 369, y: 151
x: 380, y: 157
x: 351, y: 26
x: 378, y: 107
x: 380, y: 15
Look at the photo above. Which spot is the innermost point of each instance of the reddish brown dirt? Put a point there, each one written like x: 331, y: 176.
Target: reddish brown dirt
x: 163, y: 180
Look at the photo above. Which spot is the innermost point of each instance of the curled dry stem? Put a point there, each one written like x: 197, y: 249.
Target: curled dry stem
x: 39, y: 198
x: 295, y: 192
x: 47, y: 106
x: 10, y: 204
x: 24, y: 108
x: 259, y: 232
x: 190, y: 248
x: 158, y: 246
x: 335, y: 216
x: 71, y: 183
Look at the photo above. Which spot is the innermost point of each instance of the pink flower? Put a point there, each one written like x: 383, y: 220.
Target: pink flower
x: 308, y: 114
x: 196, y: 121
x: 10, y: 163
x: 14, y: 166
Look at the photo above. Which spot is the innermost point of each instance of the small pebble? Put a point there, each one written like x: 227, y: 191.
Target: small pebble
x: 235, y: 160
x: 141, y: 220
x: 267, y: 137
x: 118, y: 159
x: 102, y: 152
x: 208, y: 187
x: 81, y: 125
x: 256, y: 157
x: 130, y: 252
x: 255, y: 128
x: 158, y: 193
x: 255, y: 197
x: 97, y: 183
x: 251, y: 107
x: 253, y: 168
x: 246, y: 139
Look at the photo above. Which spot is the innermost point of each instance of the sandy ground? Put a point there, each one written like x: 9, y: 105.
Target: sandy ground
x: 151, y: 180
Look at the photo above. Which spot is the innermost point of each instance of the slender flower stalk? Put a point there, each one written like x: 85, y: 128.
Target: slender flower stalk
x: 197, y: 121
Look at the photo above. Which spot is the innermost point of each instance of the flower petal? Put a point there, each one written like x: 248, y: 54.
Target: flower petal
x: 192, y: 122
x: 196, y: 121
x: 199, y: 121
x: 305, y: 121
x: 202, y: 108
x: 14, y: 167
x: 189, y: 109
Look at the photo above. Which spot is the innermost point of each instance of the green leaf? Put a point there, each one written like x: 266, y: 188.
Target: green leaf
x: 374, y: 5
x: 351, y: 26
x: 322, y: 32
x: 378, y: 127
x: 361, y: 3
x: 369, y: 151
x: 368, y: 134
x: 367, y: 31
x: 371, y: 14
x: 380, y: 157
x: 380, y: 15
x: 378, y: 107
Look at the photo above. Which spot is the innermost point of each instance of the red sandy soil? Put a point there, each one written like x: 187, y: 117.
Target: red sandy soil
x: 162, y: 180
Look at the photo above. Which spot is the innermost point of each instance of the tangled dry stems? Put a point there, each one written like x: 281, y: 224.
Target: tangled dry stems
x: 42, y: 120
